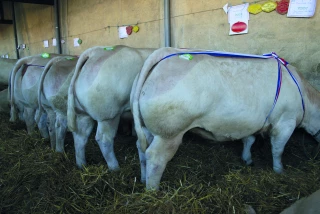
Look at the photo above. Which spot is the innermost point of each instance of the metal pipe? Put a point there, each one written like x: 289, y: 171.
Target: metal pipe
x: 15, y: 30
x: 167, y: 26
x: 57, y: 24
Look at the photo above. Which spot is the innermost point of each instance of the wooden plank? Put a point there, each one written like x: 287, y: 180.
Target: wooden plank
x: 47, y: 2
x: 6, y: 22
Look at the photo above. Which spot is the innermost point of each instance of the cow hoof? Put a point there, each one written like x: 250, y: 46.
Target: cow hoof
x: 81, y: 166
x: 278, y: 170
x: 60, y: 149
x: 248, y: 162
x: 114, y: 169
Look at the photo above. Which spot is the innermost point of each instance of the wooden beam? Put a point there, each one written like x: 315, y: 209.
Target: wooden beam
x: 6, y: 22
x: 1, y: 11
x: 47, y: 2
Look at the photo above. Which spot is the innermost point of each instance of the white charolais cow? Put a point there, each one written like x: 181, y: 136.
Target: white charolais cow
x: 100, y: 90
x: 53, y: 97
x: 307, y: 205
x: 6, y: 66
x: 222, y: 98
x: 24, y: 83
x: 4, y: 101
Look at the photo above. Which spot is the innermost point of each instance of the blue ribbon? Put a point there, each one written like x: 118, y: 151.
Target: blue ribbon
x: 41, y: 66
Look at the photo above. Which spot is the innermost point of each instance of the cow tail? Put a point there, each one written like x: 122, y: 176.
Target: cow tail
x: 40, y: 89
x: 151, y: 61
x: 9, y: 86
x: 71, y: 113
x: 16, y: 67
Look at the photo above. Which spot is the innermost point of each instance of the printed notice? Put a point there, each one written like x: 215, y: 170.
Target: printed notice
x: 238, y: 12
x: 238, y: 18
x: 46, y: 43
x: 302, y: 8
x: 122, y: 32
x: 54, y: 42
x: 75, y: 42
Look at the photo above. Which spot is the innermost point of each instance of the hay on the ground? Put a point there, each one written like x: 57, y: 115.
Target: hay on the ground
x: 202, y: 177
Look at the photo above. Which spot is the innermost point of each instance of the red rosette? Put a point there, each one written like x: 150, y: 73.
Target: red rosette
x: 129, y: 30
x: 282, y: 7
x: 239, y: 27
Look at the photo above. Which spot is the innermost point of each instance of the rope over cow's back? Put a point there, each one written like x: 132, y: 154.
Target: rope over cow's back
x: 264, y: 56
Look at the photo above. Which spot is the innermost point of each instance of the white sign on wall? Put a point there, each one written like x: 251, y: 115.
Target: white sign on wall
x: 302, y: 8
x: 46, y: 43
x: 238, y: 18
x: 75, y: 42
x: 122, y: 32
x: 54, y: 42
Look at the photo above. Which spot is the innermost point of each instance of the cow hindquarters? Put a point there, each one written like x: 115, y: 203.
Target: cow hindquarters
x: 157, y: 156
x: 106, y: 132
x: 84, y: 126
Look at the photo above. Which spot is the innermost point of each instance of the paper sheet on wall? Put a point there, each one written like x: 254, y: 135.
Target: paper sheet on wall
x: 302, y: 8
x: 46, y: 43
x: 238, y: 18
x: 54, y: 42
x: 238, y: 12
x: 122, y: 32
x: 226, y: 8
x: 75, y: 42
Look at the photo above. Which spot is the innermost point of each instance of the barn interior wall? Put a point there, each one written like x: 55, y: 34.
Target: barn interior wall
x: 96, y: 23
x: 203, y: 24
x: 194, y: 24
x: 7, y: 45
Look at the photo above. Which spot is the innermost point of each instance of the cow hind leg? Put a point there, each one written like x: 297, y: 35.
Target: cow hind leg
x: 20, y: 115
x: 157, y: 156
x: 42, y: 125
x: 280, y: 135
x: 142, y: 155
x: 246, y: 153
x: 106, y: 132
x: 28, y: 115
x: 61, y: 130
x: 84, y: 127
